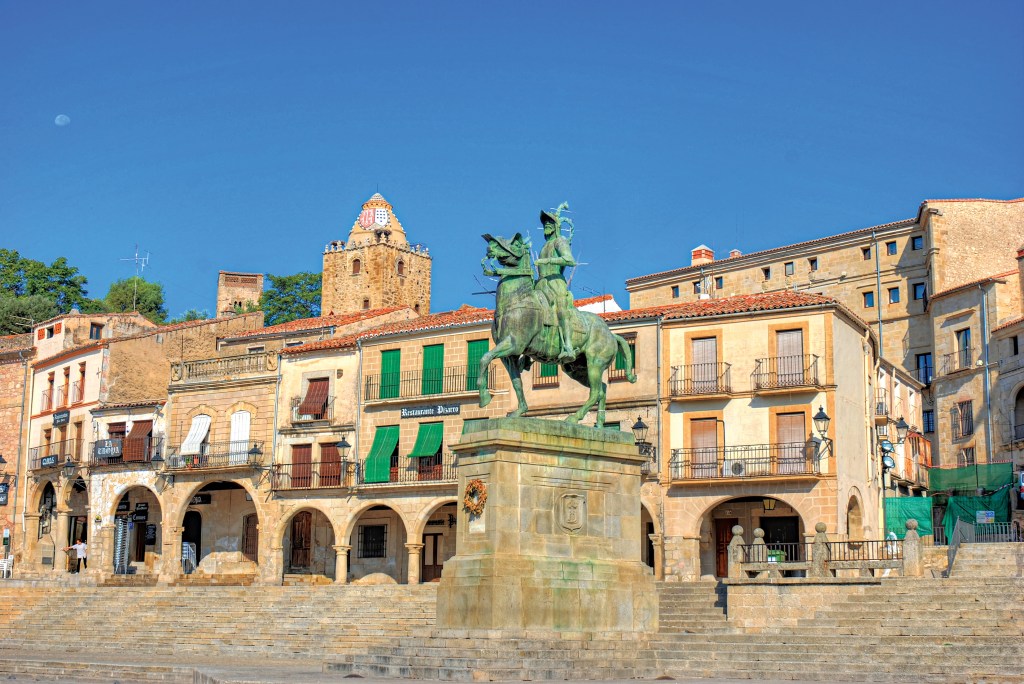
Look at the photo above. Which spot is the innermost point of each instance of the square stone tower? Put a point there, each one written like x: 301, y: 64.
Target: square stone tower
x: 237, y: 290
x: 376, y: 267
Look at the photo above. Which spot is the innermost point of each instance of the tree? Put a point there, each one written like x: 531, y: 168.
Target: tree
x: 18, y: 314
x: 60, y: 282
x: 190, y: 315
x: 136, y: 294
x: 291, y: 297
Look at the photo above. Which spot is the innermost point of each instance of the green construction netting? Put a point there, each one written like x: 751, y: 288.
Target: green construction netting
x: 966, y: 507
x: 900, y: 509
x: 986, y: 476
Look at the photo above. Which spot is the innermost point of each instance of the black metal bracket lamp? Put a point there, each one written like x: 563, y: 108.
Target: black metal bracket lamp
x: 821, y: 423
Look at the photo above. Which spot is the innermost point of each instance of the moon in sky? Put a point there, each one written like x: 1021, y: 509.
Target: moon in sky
x: 62, y: 120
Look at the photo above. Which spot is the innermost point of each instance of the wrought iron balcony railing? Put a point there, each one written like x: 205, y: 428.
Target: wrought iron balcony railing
x: 204, y: 370
x: 924, y: 375
x: 320, y: 475
x: 76, y: 392
x: 326, y: 413
x: 124, y: 451
x: 232, y: 454
x: 961, y: 359
x: 776, y: 372
x: 55, y: 454
x: 701, y: 378
x: 406, y: 384
x: 882, y: 403
x: 744, y: 461
x: 414, y: 471
x: 46, y: 400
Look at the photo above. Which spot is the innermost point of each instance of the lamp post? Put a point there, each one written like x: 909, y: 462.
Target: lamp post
x: 821, y: 423
x: 68, y: 468
x: 645, y: 448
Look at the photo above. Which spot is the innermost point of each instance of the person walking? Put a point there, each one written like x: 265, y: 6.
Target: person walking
x: 82, y: 552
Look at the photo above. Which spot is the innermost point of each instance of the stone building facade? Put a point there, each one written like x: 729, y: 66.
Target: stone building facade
x: 237, y: 291
x: 16, y: 353
x: 376, y: 267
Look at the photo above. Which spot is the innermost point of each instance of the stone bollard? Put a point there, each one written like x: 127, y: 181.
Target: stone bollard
x: 913, y: 552
x: 819, y: 552
x: 736, y: 553
x: 759, y: 554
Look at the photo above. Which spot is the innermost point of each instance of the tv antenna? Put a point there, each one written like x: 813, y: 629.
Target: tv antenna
x: 140, y: 266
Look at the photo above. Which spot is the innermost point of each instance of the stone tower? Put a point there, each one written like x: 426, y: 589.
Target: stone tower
x: 376, y: 267
x: 237, y: 290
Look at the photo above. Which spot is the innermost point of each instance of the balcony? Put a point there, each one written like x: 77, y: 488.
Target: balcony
x: 325, y: 414
x: 125, y: 451
x: 961, y: 359
x: 223, y: 368
x: 76, y: 392
x: 46, y: 400
x: 798, y: 459
x: 324, y: 475
x: 785, y: 372
x: 882, y: 404
x: 416, y: 471
x: 700, y: 379
x: 924, y: 375
x: 54, y: 455
x: 414, y: 384
x: 218, y: 455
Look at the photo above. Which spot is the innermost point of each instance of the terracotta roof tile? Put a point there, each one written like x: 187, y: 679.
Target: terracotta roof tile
x: 1009, y: 324
x: 330, y: 320
x: 768, y: 301
x: 998, y: 277
x: 592, y: 300
x: 132, y: 404
x: 173, y: 327
x: 976, y: 199
x: 686, y: 269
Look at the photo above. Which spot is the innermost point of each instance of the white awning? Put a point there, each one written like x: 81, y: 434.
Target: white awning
x: 196, y: 434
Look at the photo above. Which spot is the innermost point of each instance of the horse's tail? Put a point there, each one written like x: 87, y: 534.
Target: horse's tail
x: 627, y: 354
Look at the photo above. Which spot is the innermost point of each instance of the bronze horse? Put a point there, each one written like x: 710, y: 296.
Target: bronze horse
x: 525, y: 331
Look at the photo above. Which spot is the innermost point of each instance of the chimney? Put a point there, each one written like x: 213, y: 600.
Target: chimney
x: 701, y: 255
x: 733, y: 253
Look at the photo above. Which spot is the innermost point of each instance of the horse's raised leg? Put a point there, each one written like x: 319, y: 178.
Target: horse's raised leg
x: 514, y: 366
x: 595, y: 373
x: 501, y: 350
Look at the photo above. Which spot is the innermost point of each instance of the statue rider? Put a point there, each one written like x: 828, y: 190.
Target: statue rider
x: 555, y: 257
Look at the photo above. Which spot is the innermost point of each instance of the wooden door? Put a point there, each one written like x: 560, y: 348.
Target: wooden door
x: 250, y: 538
x: 723, y: 535
x: 790, y: 357
x: 705, y: 365
x: 302, y: 466
x: 704, y: 441
x: 790, y: 431
x: 432, y: 558
x: 139, y: 553
x: 302, y: 533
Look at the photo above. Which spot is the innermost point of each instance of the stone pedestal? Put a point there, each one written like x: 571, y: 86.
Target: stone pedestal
x: 558, y: 543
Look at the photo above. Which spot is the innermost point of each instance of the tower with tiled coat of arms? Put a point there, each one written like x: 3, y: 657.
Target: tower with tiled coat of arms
x: 376, y: 267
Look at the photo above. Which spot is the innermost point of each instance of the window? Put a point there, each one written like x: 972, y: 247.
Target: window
x: 789, y: 268
x: 966, y: 411
x: 390, y: 373
x: 427, y: 451
x: 812, y: 263
x: 866, y: 253
x: 293, y: 343
x: 401, y: 268
x: 675, y: 292
x: 373, y: 541
x: 475, y: 350
x: 302, y: 466
x: 95, y: 331
x: 366, y: 304
x: 618, y: 371
x: 314, y: 404
x: 432, y: 381
x: 383, y: 452
x: 704, y: 448
x: 357, y: 267
x: 49, y: 332
x: 117, y: 430
x: 696, y: 287
x: 917, y: 242
x: 928, y: 420
x: 924, y: 368
x: 545, y: 375
x: 920, y: 290
x: 719, y: 283
x: 258, y: 349
x: 766, y: 272
x: 195, y: 441
x: 869, y: 300
x: 1014, y: 346
x: 965, y: 457
x: 890, y: 248
x: 238, y: 451
x: 894, y: 295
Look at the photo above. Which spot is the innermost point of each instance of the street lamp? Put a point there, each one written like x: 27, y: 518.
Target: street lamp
x: 343, y: 447
x: 901, y: 430
x: 821, y: 423
x: 640, y: 429
x: 68, y: 468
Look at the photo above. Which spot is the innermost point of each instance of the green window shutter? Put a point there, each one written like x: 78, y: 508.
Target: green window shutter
x: 433, y: 369
x: 548, y: 370
x: 428, y: 440
x: 620, y: 358
x: 475, y: 351
x: 378, y: 463
x: 390, y: 373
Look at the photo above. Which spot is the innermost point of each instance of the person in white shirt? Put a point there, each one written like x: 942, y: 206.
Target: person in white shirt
x: 82, y: 552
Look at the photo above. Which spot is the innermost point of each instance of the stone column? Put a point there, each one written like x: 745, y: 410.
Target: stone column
x: 29, y: 547
x: 913, y: 553
x: 659, y: 556
x: 415, y: 554
x: 759, y: 554
x: 170, y: 559
x: 101, y: 550
x: 271, y: 569
x: 736, y: 553
x: 59, y: 536
x: 819, y: 552
x: 341, y: 563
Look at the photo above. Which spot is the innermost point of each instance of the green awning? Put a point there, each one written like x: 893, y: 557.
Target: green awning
x: 378, y: 463
x: 428, y: 440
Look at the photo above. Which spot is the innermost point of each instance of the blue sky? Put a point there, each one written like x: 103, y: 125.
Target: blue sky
x: 246, y: 135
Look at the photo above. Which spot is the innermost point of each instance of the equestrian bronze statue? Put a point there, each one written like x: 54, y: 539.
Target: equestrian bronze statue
x: 535, y: 319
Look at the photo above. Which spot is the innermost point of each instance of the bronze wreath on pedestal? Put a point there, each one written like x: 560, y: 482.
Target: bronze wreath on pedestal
x: 475, y: 497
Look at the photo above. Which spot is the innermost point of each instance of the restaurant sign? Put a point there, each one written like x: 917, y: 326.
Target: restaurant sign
x: 108, y: 448
x: 48, y: 461
x: 61, y: 418
x: 431, y: 411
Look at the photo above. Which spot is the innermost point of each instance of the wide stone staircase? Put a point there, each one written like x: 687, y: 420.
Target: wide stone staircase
x: 987, y: 560
x: 899, y: 630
